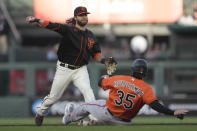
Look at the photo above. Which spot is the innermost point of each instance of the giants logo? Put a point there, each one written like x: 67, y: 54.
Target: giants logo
x: 82, y: 8
x: 90, y: 43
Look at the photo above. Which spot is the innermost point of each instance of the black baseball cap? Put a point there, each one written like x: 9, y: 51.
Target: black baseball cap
x: 80, y: 10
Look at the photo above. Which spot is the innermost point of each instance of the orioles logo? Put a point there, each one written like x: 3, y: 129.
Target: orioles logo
x: 90, y: 43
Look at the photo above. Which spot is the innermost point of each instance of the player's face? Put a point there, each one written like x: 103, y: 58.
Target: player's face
x: 82, y: 19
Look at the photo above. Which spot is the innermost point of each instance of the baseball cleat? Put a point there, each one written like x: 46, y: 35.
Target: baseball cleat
x: 39, y: 120
x: 67, y: 114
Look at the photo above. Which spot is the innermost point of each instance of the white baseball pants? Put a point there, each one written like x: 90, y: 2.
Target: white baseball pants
x: 97, y: 109
x: 62, y: 78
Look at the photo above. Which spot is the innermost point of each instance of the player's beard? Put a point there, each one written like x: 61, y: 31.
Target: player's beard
x: 82, y: 24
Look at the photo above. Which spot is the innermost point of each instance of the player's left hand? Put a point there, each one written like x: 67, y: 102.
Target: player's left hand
x: 180, y: 114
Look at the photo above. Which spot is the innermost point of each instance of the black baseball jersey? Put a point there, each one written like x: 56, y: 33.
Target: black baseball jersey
x: 76, y: 46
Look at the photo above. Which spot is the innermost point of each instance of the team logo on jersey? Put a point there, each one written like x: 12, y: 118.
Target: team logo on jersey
x: 90, y: 43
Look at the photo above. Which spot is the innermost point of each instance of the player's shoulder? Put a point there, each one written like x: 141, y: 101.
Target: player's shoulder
x: 89, y: 32
x: 122, y: 77
x: 63, y: 24
x: 67, y: 26
x: 145, y: 85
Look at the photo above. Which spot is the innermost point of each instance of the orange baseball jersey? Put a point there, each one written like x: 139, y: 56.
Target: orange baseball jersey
x: 127, y: 95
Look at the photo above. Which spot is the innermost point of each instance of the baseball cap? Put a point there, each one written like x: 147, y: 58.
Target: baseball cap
x: 80, y: 10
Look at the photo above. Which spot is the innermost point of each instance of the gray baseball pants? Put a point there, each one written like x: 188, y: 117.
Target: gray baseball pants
x: 97, y: 109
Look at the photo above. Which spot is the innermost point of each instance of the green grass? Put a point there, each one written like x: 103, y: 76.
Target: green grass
x: 139, y: 124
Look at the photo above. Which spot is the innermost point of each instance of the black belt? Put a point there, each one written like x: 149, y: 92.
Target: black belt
x: 117, y: 118
x: 72, y: 67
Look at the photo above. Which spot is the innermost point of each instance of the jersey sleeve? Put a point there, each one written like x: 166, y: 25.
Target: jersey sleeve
x: 95, y: 50
x: 149, y: 96
x: 60, y: 28
x: 107, y: 83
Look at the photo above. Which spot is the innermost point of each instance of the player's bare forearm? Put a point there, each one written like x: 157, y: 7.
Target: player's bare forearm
x: 43, y: 23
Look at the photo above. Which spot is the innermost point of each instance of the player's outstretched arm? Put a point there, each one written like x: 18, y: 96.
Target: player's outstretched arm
x: 47, y: 24
x: 162, y: 109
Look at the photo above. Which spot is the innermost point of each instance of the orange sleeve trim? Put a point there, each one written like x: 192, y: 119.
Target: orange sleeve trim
x: 97, y: 55
x: 45, y: 23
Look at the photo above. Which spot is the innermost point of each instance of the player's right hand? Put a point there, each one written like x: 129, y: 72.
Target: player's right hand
x: 180, y: 113
x: 30, y: 19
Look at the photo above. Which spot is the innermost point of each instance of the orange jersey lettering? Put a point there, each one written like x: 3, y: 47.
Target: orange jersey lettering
x: 127, y: 95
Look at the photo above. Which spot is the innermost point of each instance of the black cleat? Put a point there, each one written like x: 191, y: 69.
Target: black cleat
x: 39, y: 120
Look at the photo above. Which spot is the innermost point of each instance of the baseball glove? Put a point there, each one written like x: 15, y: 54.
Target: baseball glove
x: 110, y: 64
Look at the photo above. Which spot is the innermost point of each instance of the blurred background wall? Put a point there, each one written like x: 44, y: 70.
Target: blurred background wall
x: 161, y: 31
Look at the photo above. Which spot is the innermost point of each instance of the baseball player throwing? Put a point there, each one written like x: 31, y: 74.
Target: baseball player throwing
x: 78, y: 44
x: 127, y: 96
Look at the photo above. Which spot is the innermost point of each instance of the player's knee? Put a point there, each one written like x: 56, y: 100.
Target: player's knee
x: 55, y: 97
x: 89, y: 97
x: 88, y: 90
x: 51, y: 99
